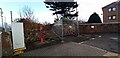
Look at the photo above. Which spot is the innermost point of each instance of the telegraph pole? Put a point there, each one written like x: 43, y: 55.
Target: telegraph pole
x: 11, y: 16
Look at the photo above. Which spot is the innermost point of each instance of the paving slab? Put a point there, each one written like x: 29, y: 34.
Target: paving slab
x: 66, y: 49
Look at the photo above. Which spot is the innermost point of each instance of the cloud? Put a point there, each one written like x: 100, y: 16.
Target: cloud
x: 45, y: 16
x: 86, y: 7
x: 21, y: 0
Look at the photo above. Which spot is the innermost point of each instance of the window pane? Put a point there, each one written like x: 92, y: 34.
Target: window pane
x: 109, y: 17
x: 114, y: 9
x: 114, y: 17
x: 109, y: 9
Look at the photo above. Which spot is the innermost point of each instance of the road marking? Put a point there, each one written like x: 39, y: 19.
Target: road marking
x: 114, y: 38
x: 91, y: 46
x: 110, y: 54
x: 106, y: 54
x: 94, y: 47
x: 92, y: 38
x: 99, y: 36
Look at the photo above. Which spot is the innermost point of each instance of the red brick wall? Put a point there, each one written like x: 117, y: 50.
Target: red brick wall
x: 99, y: 28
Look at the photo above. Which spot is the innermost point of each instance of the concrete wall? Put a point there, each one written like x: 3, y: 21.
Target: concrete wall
x: 99, y: 28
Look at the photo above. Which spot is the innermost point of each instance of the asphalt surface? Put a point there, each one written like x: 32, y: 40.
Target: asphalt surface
x: 109, y: 42
x: 66, y: 49
x: 84, y: 45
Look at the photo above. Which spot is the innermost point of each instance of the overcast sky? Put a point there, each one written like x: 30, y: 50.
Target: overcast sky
x: 86, y: 8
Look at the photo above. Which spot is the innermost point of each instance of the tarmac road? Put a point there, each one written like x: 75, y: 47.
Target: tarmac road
x: 109, y: 42
x: 66, y: 49
x: 98, y: 45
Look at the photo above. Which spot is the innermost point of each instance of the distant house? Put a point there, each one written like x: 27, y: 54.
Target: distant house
x: 111, y: 13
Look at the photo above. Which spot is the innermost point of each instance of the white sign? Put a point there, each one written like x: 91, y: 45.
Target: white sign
x: 92, y: 27
x: 18, y: 35
x: 70, y: 26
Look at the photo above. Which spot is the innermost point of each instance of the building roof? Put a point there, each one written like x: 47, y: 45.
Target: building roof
x: 109, y: 4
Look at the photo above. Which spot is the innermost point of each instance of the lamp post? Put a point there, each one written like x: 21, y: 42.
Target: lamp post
x: 1, y: 17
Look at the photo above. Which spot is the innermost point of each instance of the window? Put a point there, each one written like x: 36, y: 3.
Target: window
x: 109, y: 9
x: 109, y: 17
x: 112, y: 17
x: 112, y: 9
x: 92, y: 27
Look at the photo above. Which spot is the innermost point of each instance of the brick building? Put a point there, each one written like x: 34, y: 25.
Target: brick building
x: 111, y: 13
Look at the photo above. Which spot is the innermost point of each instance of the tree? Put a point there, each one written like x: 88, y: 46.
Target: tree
x: 64, y: 9
x: 27, y: 13
x: 94, y: 18
x: 66, y: 21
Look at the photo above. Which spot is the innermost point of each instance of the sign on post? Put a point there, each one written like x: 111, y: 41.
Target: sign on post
x: 18, y: 37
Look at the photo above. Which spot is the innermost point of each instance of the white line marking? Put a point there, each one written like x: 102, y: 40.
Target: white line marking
x: 94, y: 47
x: 91, y: 46
x: 99, y: 36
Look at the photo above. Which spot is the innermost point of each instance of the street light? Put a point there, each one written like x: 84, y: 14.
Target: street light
x: 1, y: 12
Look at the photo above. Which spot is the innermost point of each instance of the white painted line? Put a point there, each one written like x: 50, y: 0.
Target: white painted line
x: 100, y: 36
x: 82, y: 42
x: 92, y: 38
x: 106, y: 54
x: 114, y: 38
x: 110, y: 54
x: 94, y: 47
x: 91, y: 46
